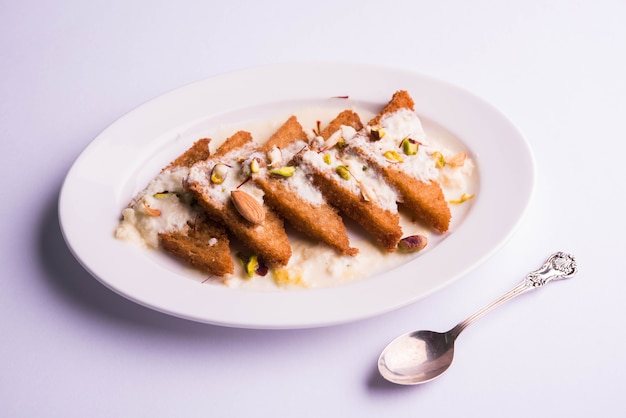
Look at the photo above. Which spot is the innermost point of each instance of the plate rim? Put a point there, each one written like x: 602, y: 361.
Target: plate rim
x: 295, y: 302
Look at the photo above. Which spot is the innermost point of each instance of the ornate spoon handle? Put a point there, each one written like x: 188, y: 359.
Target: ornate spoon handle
x: 558, y: 266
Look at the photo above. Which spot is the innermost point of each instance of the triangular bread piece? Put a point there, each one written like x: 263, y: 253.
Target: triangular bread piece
x: 165, y: 214
x: 349, y: 184
x: 226, y: 195
x: 395, y: 143
x: 291, y: 192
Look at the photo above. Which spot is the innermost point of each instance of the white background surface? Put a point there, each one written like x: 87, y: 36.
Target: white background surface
x: 70, y: 347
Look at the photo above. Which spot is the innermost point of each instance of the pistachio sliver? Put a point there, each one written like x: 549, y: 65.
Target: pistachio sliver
x: 440, y: 161
x: 254, y: 166
x: 251, y: 265
x: 162, y: 195
x: 343, y: 172
x: 464, y: 198
x: 393, y: 157
x: 286, y: 171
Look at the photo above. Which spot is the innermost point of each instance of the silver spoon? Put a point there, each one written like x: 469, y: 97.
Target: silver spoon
x: 421, y: 356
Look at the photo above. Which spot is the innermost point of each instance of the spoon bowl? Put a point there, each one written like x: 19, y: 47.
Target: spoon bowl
x: 421, y: 356
x: 417, y: 357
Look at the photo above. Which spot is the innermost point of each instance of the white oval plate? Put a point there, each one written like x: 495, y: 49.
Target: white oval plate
x: 109, y: 171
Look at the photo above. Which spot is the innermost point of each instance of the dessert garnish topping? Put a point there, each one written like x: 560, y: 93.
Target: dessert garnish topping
x: 247, y: 206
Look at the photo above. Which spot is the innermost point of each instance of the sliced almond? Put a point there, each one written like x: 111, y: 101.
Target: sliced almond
x: 151, y: 211
x: 368, y: 194
x: 458, y: 160
x: 275, y: 157
x: 247, y: 206
x: 332, y: 141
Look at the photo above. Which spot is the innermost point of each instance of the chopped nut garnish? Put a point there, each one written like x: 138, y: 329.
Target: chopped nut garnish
x: 409, y: 146
x: 343, y: 172
x: 150, y: 210
x: 332, y: 141
x: 393, y: 157
x: 163, y: 195
x: 440, y: 162
x: 247, y: 206
x: 286, y: 171
x: 275, y: 157
x: 327, y: 159
x: 464, y: 198
x: 458, y: 160
x: 376, y: 133
x: 368, y: 194
x: 219, y: 173
x: 251, y: 265
x: 254, y: 166
x: 413, y: 243
x: 283, y: 277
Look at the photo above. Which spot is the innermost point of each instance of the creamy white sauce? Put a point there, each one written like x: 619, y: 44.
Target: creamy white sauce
x: 162, y: 206
x: 315, y: 265
x: 233, y: 176
x: 299, y: 182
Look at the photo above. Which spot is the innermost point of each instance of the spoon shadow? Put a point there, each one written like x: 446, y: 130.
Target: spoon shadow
x: 378, y: 384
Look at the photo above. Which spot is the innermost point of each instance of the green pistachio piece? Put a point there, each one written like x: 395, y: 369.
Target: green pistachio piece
x: 412, y: 244
x: 409, y: 146
x: 393, y: 157
x: 286, y: 171
x: 440, y: 161
x: 343, y: 172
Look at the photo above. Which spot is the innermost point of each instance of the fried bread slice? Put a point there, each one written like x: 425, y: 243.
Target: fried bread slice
x: 349, y: 184
x: 204, y: 245
x: 164, y: 214
x: 292, y: 193
x: 394, y: 142
x: 225, y: 193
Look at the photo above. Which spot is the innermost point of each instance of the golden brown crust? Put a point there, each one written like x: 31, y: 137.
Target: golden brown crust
x: 192, y: 245
x: 289, y: 132
x: 237, y: 141
x: 320, y: 222
x: 401, y: 99
x: 424, y: 200
x: 204, y: 245
x: 382, y: 224
x: 346, y: 118
x: 199, y: 151
x: 267, y: 239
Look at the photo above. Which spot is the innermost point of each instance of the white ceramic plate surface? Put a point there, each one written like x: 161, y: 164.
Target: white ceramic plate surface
x: 122, y: 159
